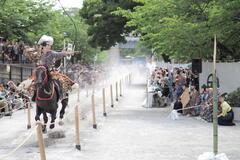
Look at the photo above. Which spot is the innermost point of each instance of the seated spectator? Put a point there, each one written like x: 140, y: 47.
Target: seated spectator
x: 185, y: 98
x: 194, y: 100
x: 178, y: 106
x: 2, y: 92
x: 226, y: 116
x: 165, y: 88
x: 206, y: 103
x: 207, y: 112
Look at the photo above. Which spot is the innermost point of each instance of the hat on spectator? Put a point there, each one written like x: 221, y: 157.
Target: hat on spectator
x: 224, y: 95
x: 46, y: 40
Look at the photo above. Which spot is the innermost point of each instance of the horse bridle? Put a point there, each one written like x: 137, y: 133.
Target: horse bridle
x: 45, y: 72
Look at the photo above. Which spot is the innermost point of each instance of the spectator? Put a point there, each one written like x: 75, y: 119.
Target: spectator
x: 226, y: 116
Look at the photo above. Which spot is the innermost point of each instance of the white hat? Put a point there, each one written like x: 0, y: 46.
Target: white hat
x: 47, y: 39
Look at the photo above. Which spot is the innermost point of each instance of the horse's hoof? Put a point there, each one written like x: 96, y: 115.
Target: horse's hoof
x: 60, y: 123
x: 52, y: 126
x: 44, y: 129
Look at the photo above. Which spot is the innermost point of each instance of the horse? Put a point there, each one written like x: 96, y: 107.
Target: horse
x: 46, y: 96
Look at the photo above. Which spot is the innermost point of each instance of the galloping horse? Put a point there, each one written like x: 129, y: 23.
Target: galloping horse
x: 47, y: 96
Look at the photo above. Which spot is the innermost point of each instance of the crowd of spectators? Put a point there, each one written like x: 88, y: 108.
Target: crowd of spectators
x: 12, y: 51
x: 180, y: 87
x: 11, y: 98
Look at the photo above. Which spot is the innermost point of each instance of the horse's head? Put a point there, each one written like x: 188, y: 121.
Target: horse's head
x: 41, y: 76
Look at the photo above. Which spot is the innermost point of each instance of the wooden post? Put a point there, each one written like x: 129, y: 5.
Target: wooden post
x: 104, y: 103
x: 116, y: 91
x: 86, y: 86
x: 120, y: 87
x: 29, y: 115
x: 77, y: 128
x: 10, y: 72
x: 147, y: 84
x: 40, y: 141
x: 93, y: 112
x: 215, y: 101
x: 122, y: 84
x: 21, y: 73
x: 111, y: 91
x: 147, y: 101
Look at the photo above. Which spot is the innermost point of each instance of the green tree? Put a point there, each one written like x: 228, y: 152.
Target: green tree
x: 106, y: 29
x: 19, y: 17
x: 28, y: 20
x: 184, y: 29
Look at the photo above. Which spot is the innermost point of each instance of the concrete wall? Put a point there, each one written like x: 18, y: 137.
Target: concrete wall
x: 228, y: 74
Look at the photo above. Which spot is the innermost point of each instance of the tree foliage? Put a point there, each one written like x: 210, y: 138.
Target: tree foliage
x: 28, y: 20
x: 106, y: 28
x: 139, y: 50
x: 184, y: 29
x: 19, y: 17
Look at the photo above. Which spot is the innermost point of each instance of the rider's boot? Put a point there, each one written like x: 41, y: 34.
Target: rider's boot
x: 59, y: 89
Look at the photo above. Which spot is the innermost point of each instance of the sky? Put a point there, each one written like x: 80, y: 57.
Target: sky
x: 70, y: 3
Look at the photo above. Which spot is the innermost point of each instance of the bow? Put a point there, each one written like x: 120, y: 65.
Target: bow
x: 74, y: 24
x: 75, y: 38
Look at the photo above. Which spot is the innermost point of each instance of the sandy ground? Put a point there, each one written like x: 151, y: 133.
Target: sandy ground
x: 130, y: 132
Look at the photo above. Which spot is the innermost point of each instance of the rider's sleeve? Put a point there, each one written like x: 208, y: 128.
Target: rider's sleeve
x: 57, y: 55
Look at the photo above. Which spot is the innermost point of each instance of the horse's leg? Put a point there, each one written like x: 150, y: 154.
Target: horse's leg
x: 38, y: 113
x: 45, y: 118
x: 64, y: 105
x: 62, y: 112
x: 53, y: 117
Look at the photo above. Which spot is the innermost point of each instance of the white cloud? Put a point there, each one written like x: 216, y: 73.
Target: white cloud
x: 70, y: 3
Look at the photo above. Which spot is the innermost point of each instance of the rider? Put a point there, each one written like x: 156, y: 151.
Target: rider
x: 48, y: 57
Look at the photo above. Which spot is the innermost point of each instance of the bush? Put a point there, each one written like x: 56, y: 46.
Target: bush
x: 234, y: 98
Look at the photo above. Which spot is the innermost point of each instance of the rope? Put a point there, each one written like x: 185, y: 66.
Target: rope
x: 20, y: 145
x: 187, y: 108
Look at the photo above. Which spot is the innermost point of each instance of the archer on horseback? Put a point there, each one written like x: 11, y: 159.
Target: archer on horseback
x: 48, y: 90
x: 48, y: 57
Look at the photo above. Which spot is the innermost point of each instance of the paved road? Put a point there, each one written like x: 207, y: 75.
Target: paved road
x: 131, y: 132
x: 135, y: 133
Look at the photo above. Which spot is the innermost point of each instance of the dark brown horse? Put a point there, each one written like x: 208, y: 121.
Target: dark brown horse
x: 47, y: 96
